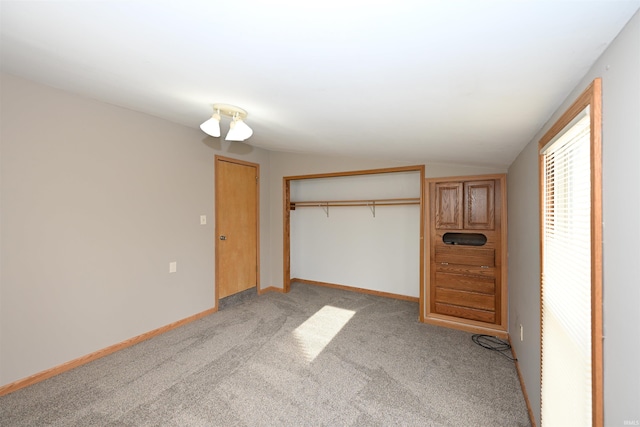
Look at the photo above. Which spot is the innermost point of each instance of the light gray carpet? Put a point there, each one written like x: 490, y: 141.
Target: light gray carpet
x: 248, y: 366
x: 237, y: 298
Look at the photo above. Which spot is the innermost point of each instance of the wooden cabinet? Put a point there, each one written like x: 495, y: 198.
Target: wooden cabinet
x: 479, y: 199
x: 465, y: 283
x: 448, y: 200
x: 464, y: 205
x: 466, y: 286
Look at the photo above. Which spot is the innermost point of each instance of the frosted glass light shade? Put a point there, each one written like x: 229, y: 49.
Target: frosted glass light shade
x: 239, y: 131
x: 212, y: 126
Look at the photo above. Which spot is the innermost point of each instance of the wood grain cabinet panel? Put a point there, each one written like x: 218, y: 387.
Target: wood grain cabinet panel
x: 469, y: 270
x: 466, y: 299
x: 466, y: 280
x: 465, y: 255
x: 448, y: 211
x: 466, y: 313
x: 479, y: 205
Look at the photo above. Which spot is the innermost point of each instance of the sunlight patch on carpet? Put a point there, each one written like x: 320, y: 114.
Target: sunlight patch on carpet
x: 318, y: 330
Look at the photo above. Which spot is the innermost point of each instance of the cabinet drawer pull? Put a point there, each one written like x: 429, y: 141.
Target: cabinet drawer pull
x: 485, y: 266
x: 444, y: 263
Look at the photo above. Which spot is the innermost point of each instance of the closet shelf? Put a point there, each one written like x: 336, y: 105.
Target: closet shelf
x: 371, y: 203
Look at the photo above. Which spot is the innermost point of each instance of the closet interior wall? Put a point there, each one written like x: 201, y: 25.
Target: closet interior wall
x: 361, y: 231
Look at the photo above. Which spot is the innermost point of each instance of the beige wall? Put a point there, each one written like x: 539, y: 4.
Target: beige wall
x: 290, y: 164
x: 96, y: 201
x: 619, y: 67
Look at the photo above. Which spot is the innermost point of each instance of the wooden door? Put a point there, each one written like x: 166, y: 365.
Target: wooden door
x: 236, y: 226
x: 448, y: 209
x: 479, y: 205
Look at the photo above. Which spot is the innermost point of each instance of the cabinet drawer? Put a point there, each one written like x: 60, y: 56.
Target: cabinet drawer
x: 470, y: 270
x: 461, y: 282
x: 465, y: 299
x: 466, y: 313
x: 466, y: 256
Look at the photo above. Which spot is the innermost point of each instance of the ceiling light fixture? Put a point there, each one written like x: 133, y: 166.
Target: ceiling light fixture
x: 238, y: 129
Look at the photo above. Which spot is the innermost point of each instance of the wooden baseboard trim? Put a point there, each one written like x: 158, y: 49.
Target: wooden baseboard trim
x: 354, y: 289
x: 67, y: 366
x: 524, y: 389
x: 270, y: 289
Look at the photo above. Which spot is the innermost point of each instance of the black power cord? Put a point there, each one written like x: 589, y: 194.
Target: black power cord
x: 493, y: 343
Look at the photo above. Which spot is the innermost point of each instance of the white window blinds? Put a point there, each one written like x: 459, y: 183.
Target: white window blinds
x: 566, y: 277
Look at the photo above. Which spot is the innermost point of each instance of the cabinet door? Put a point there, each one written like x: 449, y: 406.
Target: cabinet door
x: 479, y: 205
x: 448, y: 204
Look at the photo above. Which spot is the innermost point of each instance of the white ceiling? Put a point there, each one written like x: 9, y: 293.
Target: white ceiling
x: 462, y: 81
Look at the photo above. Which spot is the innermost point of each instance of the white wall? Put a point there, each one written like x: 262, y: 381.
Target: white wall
x: 350, y: 246
x: 619, y: 67
x: 96, y: 201
x: 292, y: 164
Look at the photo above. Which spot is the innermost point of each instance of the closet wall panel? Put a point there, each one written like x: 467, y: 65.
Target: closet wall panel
x: 359, y: 246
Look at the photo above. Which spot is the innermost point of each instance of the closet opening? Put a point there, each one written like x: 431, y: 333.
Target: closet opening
x: 343, y: 229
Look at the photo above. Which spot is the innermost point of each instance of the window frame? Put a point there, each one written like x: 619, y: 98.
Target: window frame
x: 591, y: 97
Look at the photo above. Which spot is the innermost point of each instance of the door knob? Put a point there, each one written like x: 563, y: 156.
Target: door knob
x: 223, y: 237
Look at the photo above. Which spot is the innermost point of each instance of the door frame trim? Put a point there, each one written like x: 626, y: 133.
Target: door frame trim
x: 218, y: 158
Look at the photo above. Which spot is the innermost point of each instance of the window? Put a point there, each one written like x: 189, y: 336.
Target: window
x: 571, y: 266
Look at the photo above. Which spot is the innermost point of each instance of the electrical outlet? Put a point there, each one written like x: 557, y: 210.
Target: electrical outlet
x: 521, y: 333
x: 173, y: 267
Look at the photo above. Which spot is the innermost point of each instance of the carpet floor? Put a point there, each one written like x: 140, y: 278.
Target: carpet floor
x: 315, y: 356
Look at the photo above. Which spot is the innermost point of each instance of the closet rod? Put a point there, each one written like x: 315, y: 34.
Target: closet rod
x: 366, y: 202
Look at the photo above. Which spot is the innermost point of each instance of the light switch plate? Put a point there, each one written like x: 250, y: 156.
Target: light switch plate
x: 203, y: 220
x: 173, y: 267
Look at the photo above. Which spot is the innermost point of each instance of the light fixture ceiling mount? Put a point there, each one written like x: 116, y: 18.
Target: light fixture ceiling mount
x: 239, y: 131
